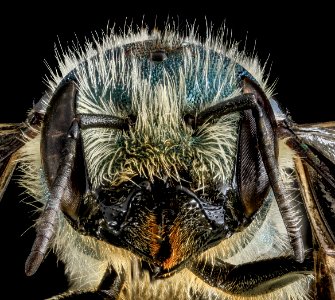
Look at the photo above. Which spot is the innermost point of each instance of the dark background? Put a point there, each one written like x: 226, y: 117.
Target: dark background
x: 296, y: 42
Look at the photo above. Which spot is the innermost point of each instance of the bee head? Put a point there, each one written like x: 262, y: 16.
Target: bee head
x: 163, y: 185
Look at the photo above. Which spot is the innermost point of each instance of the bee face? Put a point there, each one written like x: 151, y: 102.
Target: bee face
x: 146, y: 176
x: 164, y: 166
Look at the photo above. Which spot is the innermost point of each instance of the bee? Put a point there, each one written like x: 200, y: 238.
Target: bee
x: 166, y: 169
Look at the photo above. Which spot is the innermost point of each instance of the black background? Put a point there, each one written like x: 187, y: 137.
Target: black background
x: 296, y: 42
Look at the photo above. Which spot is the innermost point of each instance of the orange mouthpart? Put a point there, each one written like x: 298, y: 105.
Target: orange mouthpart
x: 177, y: 250
x: 157, y: 234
